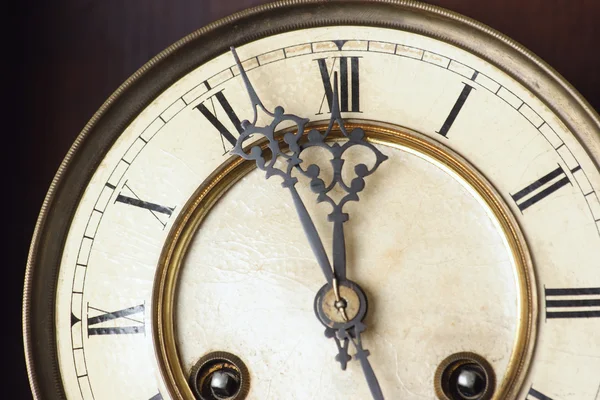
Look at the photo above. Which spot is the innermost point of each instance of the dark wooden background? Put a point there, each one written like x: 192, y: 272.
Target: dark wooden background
x: 66, y: 57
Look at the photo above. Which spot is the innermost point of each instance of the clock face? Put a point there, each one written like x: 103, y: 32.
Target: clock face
x: 468, y: 264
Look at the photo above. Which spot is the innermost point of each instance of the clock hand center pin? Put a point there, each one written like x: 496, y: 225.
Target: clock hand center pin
x: 340, y: 303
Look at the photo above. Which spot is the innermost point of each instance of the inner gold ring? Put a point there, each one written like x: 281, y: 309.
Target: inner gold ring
x: 216, y: 185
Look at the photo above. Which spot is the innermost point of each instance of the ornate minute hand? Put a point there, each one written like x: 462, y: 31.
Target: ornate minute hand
x: 307, y: 223
x: 313, y: 236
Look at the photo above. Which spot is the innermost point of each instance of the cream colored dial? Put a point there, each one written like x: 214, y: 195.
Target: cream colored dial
x: 428, y: 250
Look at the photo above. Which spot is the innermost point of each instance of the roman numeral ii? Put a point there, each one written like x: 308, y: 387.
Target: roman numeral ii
x: 541, y: 188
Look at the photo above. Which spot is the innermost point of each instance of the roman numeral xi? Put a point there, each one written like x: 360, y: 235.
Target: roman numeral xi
x: 218, y: 111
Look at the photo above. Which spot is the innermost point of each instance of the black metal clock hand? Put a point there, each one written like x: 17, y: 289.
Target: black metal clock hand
x: 362, y: 356
x: 313, y: 236
x: 331, y: 308
x: 338, y: 217
x: 307, y: 223
x: 342, y: 344
x: 339, y: 249
x: 355, y: 138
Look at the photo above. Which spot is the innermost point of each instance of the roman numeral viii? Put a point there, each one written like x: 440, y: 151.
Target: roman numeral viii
x: 127, y: 321
x: 573, y: 303
x: 535, y: 395
x: 541, y: 188
x: 219, y: 116
x: 349, y: 84
x: 161, y: 213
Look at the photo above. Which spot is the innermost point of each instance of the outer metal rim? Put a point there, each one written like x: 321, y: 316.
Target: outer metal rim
x: 67, y: 186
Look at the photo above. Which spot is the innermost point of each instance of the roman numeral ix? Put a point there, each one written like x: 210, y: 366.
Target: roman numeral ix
x: 573, y: 303
x: 127, y: 321
x: 349, y: 83
x: 541, y: 188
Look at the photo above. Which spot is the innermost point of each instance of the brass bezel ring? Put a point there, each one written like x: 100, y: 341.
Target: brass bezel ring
x: 235, y: 168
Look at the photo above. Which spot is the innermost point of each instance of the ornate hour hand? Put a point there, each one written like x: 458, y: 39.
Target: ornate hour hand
x: 340, y: 304
x: 355, y: 138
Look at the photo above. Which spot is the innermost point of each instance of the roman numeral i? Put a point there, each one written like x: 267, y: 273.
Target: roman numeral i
x: 458, y: 105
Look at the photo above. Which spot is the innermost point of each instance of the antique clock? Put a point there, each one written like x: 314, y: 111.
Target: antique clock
x: 325, y: 200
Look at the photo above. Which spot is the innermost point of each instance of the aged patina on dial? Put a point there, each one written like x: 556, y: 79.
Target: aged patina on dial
x: 165, y: 266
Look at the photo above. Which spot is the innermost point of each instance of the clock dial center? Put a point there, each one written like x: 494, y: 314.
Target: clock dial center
x: 352, y: 299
